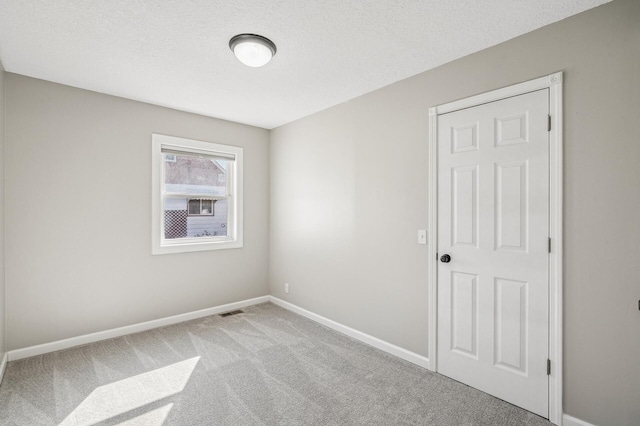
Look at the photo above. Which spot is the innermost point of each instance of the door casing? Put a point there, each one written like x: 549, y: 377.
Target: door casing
x: 554, y: 83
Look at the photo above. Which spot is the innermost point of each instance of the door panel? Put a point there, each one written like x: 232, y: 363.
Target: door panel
x: 465, y: 206
x: 493, y: 220
x: 510, y: 310
x: 511, y: 205
x: 464, y: 314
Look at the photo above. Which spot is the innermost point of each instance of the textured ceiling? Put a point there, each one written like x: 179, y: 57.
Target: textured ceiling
x: 175, y: 52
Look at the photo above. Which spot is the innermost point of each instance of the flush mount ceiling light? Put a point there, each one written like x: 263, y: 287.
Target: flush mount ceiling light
x: 252, y: 50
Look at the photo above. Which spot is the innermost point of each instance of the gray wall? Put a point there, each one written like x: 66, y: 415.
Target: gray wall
x: 78, y: 211
x: 2, y: 279
x: 349, y: 190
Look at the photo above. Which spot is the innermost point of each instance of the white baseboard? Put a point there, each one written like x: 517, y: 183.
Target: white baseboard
x: 413, y: 357
x: 129, y: 329
x: 568, y: 420
x: 3, y: 365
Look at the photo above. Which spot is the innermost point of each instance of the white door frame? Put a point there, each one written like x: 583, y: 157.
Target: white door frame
x: 554, y: 83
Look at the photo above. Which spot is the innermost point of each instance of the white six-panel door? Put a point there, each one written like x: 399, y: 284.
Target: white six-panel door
x: 493, y: 222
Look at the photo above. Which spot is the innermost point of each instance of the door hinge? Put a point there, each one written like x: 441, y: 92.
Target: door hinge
x: 549, y: 245
x: 548, y: 367
x: 549, y: 122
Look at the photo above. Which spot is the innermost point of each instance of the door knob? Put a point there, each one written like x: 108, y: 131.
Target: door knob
x: 445, y: 258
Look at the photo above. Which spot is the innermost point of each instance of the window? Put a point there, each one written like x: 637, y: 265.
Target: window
x: 200, y: 207
x: 197, y: 195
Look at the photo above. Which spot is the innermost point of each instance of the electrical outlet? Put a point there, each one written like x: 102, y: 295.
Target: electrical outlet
x: 286, y: 287
x: 422, y: 236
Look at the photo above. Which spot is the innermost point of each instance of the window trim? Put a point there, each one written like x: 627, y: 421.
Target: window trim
x: 234, y: 181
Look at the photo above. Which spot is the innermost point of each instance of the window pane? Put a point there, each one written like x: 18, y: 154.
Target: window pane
x: 194, y: 206
x: 206, y: 207
x: 196, y: 175
x: 178, y: 222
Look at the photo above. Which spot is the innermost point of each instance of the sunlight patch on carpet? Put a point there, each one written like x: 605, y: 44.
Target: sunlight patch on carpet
x: 120, y: 397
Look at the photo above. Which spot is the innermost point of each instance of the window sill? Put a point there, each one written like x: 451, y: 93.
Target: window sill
x: 197, y: 246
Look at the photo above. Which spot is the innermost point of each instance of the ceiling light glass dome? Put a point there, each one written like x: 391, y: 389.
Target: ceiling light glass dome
x: 252, y: 50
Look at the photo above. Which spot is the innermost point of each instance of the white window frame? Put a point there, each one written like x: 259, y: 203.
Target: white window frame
x: 234, y: 182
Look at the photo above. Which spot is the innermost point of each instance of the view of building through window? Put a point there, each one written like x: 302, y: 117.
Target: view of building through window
x: 205, y: 214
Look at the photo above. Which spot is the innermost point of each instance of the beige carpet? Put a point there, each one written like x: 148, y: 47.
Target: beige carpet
x: 267, y: 366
